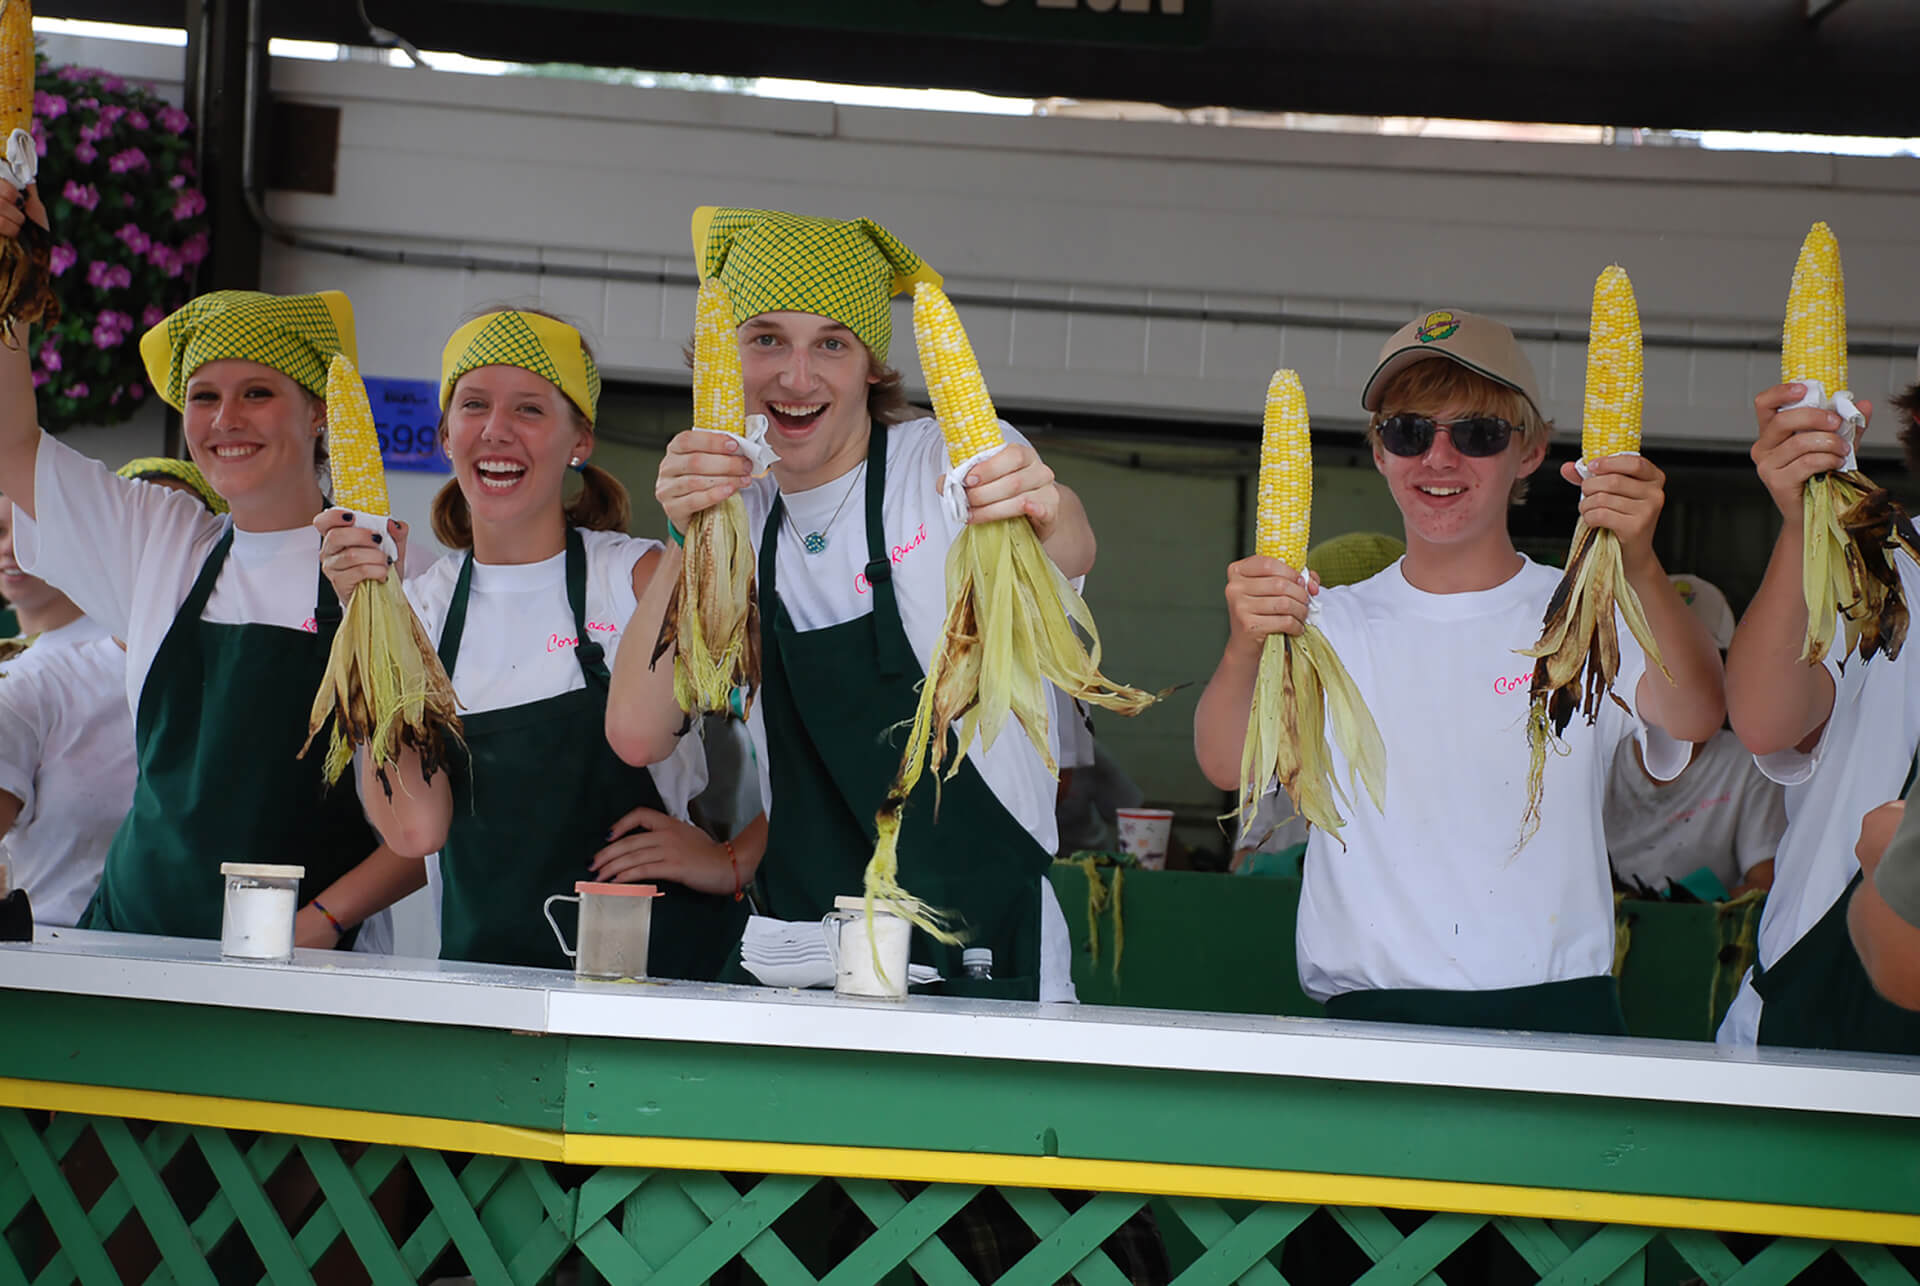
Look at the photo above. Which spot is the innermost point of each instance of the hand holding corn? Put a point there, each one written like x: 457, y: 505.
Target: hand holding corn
x: 1011, y: 615
x: 384, y: 687
x: 1301, y: 683
x: 1579, y: 647
x: 1850, y: 525
x: 712, y: 620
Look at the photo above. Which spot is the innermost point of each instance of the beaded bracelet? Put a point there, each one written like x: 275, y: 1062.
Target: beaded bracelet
x: 339, y: 929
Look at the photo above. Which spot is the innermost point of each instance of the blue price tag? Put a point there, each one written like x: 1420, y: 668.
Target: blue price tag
x: 406, y: 414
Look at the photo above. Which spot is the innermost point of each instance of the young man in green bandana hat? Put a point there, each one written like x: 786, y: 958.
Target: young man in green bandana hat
x: 852, y: 537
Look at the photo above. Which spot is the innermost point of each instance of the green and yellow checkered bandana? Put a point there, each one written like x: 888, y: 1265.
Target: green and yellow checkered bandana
x: 771, y: 262
x: 294, y: 334
x: 534, y: 342
x: 159, y: 466
x: 1356, y: 556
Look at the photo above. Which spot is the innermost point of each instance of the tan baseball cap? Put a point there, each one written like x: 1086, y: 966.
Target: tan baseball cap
x: 1709, y: 604
x: 1480, y: 344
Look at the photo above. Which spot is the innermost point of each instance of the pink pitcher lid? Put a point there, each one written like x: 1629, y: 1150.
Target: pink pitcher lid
x: 618, y: 890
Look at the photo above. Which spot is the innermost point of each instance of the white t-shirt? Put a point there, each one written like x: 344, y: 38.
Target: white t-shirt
x: 66, y: 753
x: 1431, y: 894
x: 830, y: 588
x: 519, y: 641
x: 1861, y: 762
x: 128, y: 553
x: 1721, y: 813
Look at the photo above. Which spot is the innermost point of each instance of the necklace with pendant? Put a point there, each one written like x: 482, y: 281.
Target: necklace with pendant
x: 815, y: 542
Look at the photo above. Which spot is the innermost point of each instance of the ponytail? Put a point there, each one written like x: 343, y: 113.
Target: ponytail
x: 601, y: 505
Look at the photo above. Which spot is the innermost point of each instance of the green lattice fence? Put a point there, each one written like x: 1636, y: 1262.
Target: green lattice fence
x: 88, y: 1199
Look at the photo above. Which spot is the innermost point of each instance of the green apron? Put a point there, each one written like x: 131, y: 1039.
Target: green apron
x: 533, y: 800
x: 1583, y: 1006
x: 835, y: 702
x: 1818, y: 995
x: 221, y: 717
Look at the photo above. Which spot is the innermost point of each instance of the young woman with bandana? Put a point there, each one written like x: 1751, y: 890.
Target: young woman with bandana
x: 528, y: 616
x: 226, y: 619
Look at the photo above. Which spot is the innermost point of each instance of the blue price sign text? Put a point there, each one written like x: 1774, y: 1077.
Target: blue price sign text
x: 406, y: 414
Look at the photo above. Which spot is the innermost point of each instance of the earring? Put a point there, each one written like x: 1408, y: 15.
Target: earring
x: 576, y: 464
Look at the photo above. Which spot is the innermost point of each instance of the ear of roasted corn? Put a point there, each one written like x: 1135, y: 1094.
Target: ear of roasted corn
x: 26, y: 282
x: 1851, y: 526
x: 384, y: 687
x: 1300, y: 681
x: 1011, y: 619
x: 1579, y: 648
x: 713, y: 617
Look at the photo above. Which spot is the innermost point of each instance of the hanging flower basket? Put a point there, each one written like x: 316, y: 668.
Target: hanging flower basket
x: 129, y: 229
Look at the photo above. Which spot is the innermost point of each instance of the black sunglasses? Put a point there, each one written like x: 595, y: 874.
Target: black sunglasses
x: 1408, y: 434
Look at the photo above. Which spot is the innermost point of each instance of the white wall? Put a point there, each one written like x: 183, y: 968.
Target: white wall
x: 1360, y: 228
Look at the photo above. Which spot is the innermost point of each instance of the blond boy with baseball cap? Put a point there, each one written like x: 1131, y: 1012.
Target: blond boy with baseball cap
x: 1434, y: 911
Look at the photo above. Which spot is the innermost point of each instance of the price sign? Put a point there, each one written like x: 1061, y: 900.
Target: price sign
x: 406, y: 414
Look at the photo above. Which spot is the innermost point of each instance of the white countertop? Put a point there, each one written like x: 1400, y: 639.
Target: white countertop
x: 184, y: 971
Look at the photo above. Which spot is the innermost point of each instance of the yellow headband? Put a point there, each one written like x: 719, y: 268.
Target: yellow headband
x: 160, y: 466
x: 294, y: 334
x: 534, y: 342
x: 773, y: 262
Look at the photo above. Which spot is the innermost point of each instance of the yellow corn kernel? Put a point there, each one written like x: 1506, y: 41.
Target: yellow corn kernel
x: 719, y: 399
x: 353, y: 446
x: 1814, y: 345
x: 1283, y: 517
x: 16, y: 67
x: 1615, y: 370
x: 954, y: 382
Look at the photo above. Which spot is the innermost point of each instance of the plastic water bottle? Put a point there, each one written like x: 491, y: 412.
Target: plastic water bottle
x: 978, y: 962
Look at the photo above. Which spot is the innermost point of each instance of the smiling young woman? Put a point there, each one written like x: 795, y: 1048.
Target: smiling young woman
x: 227, y: 620
x: 528, y: 616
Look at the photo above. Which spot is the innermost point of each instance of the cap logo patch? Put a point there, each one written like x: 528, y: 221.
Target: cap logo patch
x: 1439, y: 325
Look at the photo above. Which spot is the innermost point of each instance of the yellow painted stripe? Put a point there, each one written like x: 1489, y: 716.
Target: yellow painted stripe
x: 1085, y: 1174
x: 286, y: 1118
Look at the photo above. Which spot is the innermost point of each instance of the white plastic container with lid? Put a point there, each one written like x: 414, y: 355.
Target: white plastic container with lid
x: 616, y: 921
x: 866, y: 965
x: 256, y: 917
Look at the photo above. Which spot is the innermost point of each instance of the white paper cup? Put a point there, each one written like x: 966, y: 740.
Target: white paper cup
x: 873, y: 966
x: 1144, y: 833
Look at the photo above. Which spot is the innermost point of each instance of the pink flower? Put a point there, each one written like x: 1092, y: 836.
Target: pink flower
x: 62, y: 258
x: 102, y: 275
x: 177, y: 181
x: 49, y: 356
x: 81, y: 194
x: 86, y: 154
x: 49, y: 107
x: 165, y: 259
x: 137, y: 392
x: 127, y: 162
x: 39, y: 143
x: 126, y: 200
x: 173, y: 120
x: 111, y: 113
x: 139, y: 120
x: 110, y: 328
x: 152, y: 315
x: 112, y: 84
x: 94, y: 132
x: 113, y: 398
x: 194, y: 249
x: 92, y: 103
x: 188, y: 204
x: 40, y: 377
x: 76, y: 391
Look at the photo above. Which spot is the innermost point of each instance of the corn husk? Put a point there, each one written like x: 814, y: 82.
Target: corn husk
x: 712, y: 618
x: 1848, y: 572
x: 1301, y: 683
x: 26, y: 277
